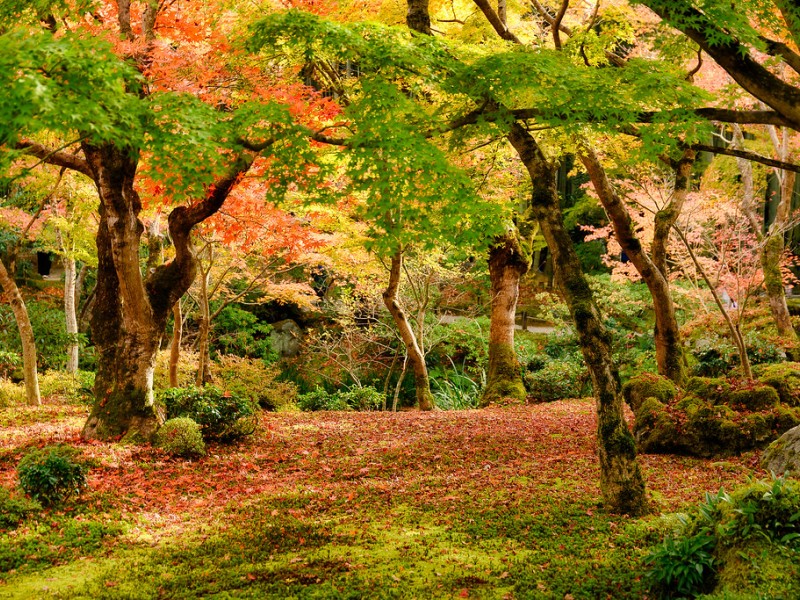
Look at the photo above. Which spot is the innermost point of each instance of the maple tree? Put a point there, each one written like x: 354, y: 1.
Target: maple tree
x: 139, y: 97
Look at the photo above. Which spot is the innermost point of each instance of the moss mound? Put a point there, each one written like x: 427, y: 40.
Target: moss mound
x: 181, y: 437
x: 712, y: 416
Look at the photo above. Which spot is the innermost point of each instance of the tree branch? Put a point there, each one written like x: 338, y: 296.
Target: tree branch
x: 496, y: 22
x: 751, y: 156
x: 55, y: 157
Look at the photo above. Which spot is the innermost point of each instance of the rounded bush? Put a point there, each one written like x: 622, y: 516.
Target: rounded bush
x: 216, y: 412
x: 181, y: 437
x: 51, y: 475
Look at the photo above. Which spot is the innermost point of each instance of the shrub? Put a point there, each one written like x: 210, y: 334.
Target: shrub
x: 187, y: 369
x: 215, y: 411
x: 239, y: 332
x: 252, y: 378
x: 682, y: 566
x: 558, y: 379
x: 66, y: 387
x: 11, y: 393
x: 51, y: 475
x: 14, y: 510
x: 320, y: 399
x: 363, y: 398
x: 721, y: 540
x: 181, y: 436
x: 455, y: 390
x: 47, y: 319
x: 9, y: 362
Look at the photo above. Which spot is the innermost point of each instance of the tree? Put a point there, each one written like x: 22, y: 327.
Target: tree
x: 128, y: 128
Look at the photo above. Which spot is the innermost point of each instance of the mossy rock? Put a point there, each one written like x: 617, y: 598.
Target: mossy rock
x: 786, y: 417
x: 783, y: 455
x: 711, y: 389
x: 654, y: 430
x: 784, y: 377
x: 754, y: 396
x: 648, y: 385
x: 690, y: 404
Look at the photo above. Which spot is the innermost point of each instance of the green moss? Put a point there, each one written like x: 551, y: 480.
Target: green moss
x: 712, y: 389
x: 786, y: 417
x: 785, y: 378
x: 505, y: 375
x: 654, y: 429
x: 648, y: 385
x: 690, y: 404
x: 757, y: 397
x: 617, y: 439
x: 759, y: 568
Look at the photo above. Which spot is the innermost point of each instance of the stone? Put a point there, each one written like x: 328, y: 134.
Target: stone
x: 782, y: 456
x: 286, y: 338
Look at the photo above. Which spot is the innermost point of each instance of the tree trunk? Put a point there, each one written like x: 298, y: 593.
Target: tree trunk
x: 508, y: 262
x: 175, y: 347
x: 70, y: 280
x: 670, y: 358
x: 621, y: 480
x: 203, y: 365
x: 9, y: 286
x: 417, y: 17
x: 771, y: 256
x: 391, y: 300
x: 130, y: 313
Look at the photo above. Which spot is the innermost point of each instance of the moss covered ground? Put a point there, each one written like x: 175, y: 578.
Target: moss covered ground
x: 497, y: 503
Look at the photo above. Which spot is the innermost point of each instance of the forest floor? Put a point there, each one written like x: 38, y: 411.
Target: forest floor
x: 497, y: 503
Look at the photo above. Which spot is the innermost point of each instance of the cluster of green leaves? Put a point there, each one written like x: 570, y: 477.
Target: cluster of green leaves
x: 363, y: 398
x: 240, y: 333
x: 718, y: 533
x: 50, y: 333
x: 181, y: 436
x: 223, y: 416
x: 51, y: 475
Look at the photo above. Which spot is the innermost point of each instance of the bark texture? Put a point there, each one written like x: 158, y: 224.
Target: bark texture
x: 9, y: 287
x: 175, y: 346
x: 621, y: 479
x: 508, y: 262
x: 70, y: 313
x: 391, y: 299
x: 130, y: 312
x: 670, y: 358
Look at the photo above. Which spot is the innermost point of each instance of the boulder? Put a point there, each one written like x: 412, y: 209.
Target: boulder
x: 782, y: 457
x: 286, y: 338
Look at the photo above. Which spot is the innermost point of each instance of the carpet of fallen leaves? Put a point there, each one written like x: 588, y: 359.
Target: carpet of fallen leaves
x: 436, y: 457
x: 496, y: 503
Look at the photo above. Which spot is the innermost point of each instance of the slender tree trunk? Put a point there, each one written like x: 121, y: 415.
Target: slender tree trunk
x: 9, y: 286
x: 392, y: 301
x: 175, y: 346
x: 70, y: 284
x: 508, y: 262
x: 203, y: 366
x: 621, y: 479
x: 670, y: 358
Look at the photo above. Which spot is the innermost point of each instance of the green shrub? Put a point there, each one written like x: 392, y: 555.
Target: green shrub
x: 455, y: 390
x: 181, y: 436
x: 239, y: 332
x: 682, y: 566
x: 51, y: 475
x: 320, y: 399
x: 558, y: 379
x: 215, y: 411
x: 66, y: 387
x: 49, y: 326
x: 14, y: 510
x: 252, y: 378
x: 11, y: 394
x: 722, y: 543
x: 363, y: 398
x: 9, y: 362
x: 717, y: 356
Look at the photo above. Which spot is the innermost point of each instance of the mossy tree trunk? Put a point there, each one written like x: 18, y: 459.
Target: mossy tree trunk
x: 391, y: 299
x: 621, y: 479
x: 31, y: 378
x: 670, y: 358
x: 508, y: 262
x: 130, y: 311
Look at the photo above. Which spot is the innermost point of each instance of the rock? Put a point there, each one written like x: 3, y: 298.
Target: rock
x: 782, y: 457
x: 286, y: 338
x: 648, y: 385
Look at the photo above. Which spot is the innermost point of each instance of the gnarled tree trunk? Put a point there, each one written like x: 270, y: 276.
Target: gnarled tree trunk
x: 508, y: 262
x: 621, y: 480
x: 130, y: 312
x: 391, y: 298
